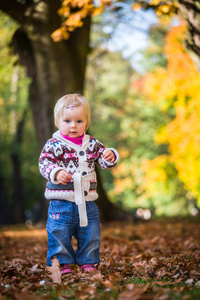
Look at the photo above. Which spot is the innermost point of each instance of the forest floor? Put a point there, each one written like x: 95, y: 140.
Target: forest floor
x: 158, y: 259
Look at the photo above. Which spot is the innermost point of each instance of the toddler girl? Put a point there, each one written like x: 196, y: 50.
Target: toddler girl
x: 67, y: 161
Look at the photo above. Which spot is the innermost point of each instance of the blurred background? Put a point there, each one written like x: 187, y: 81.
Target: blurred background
x: 137, y: 62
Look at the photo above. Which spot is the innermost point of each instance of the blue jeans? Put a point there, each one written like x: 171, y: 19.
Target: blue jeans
x: 62, y: 224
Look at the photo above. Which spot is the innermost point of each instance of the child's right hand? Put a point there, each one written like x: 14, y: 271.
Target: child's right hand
x: 63, y: 176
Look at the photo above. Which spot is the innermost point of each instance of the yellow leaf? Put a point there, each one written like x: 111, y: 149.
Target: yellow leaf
x: 136, y: 6
x: 64, y: 11
x: 66, y: 2
x: 97, y: 11
x: 154, y: 2
x: 60, y: 34
x: 106, y: 2
x: 165, y: 8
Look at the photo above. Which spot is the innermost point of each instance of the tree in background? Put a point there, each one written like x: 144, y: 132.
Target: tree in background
x: 176, y: 88
x: 137, y: 112
x: 18, y: 172
x: 131, y: 121
x: 55, y: 68
x: 188, y: 10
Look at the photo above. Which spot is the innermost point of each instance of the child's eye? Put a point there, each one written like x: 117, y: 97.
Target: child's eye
x: 80, y: 121
x: 67, y: 121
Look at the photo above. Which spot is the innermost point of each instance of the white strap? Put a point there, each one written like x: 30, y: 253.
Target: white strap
x: 80, y: 197
x: 83, y: 214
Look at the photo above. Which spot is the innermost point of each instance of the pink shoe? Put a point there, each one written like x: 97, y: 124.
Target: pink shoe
x: 87, y: 267
x: 65, y: 269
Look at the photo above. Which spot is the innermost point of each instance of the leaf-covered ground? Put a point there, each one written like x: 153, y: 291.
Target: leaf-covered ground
x: 152, y: 260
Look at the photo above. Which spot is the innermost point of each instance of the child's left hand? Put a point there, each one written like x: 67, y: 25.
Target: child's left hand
x: 108, y: 155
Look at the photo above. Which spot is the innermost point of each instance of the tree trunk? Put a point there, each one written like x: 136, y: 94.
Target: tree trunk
x: 5, y: 212
x: 18, y: 199
x: 18, y: 203
x: 191, y: 12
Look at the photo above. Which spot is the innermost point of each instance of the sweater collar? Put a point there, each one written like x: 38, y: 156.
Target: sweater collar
x: 58, y: 135
x: 78, y: 141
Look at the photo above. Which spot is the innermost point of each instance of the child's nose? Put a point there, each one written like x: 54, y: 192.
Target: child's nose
x: 73, y: 124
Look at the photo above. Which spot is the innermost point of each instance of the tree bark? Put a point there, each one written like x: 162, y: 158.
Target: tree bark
x: 5, y: 211
x: 18, y: 197
x: 190, y: 10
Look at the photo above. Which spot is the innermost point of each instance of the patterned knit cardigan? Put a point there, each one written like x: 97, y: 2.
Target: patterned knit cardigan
x: 79, y: 161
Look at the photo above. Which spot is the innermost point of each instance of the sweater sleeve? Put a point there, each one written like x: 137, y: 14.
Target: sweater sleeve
x: 104, y: 164
x: 48, y: 160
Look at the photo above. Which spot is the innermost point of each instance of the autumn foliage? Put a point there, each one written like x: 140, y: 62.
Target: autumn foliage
x: 161, y: 8
x: 177, y: 87
x: 73, y: 13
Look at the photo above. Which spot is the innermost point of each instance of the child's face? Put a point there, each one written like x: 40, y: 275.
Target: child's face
x: 73, y: 122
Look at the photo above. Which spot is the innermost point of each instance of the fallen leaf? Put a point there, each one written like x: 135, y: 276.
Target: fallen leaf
x: 133, y: 292
x: 189, y: 281
x: 197, y: 284
x: 195, y: 273
x: 55, y: 270
x: 34, y: 268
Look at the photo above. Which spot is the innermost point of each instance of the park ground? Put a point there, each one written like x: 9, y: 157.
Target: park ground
x: 158, y: 259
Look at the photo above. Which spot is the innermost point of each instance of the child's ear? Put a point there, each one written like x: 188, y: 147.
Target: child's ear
x: 57, y: 120
x: 56, y: 124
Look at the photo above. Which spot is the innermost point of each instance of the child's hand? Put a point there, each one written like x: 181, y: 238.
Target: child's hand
x: 63, y: 176
x: 108, y: 155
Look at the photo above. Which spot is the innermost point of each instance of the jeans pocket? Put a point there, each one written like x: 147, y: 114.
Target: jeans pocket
x: 56, y: 207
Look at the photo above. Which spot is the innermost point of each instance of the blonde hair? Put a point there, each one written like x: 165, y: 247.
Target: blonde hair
x: 71, y: 100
